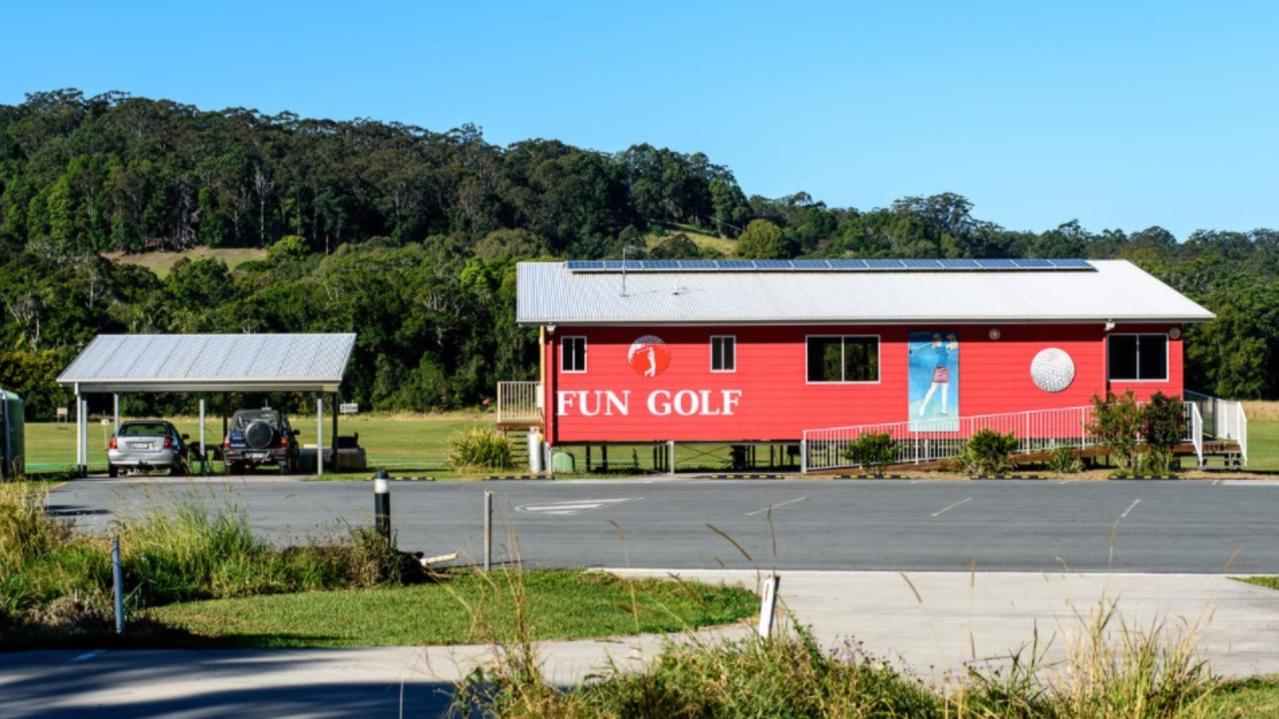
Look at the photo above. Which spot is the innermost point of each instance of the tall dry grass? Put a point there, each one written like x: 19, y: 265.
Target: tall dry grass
x: 1110, y: 670
x: 1261, y: 409
x: 55, y: 582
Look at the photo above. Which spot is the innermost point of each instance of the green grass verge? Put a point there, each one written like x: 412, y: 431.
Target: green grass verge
x: 470, y: 608
x: 1255, y: 698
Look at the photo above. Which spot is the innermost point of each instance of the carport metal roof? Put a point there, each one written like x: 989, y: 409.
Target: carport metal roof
x: 211, y: 363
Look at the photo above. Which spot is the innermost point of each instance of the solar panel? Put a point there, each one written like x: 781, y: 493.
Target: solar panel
x: 996, y: 264
x: 884, y: 264
x: 848, y: 264
x: 811, y: 264
x: 832, y: 265
x: 1034, y: 264
x: 1071, y: 264
x: 922, y: 264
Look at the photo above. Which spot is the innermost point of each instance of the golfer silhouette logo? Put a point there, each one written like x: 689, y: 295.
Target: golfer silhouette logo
x: 649, y: 356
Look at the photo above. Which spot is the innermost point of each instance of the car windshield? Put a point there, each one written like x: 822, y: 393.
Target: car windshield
x: 144, y: 429
x: 246, y: 418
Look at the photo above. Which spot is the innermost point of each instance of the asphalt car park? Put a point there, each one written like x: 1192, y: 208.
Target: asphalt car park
x: 1208, y: 526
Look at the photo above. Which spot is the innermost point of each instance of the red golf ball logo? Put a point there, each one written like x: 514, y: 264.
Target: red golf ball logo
x: 649, y: 356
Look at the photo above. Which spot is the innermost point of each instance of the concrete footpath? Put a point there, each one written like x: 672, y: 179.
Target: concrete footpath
x: 931, y: 625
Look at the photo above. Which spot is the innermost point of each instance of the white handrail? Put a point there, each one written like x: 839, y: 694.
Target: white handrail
x: 519, y: 402
x: 1197, y: 432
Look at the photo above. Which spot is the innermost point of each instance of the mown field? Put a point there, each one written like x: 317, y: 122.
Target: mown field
x: 418, y: 445
x: 162, y: 262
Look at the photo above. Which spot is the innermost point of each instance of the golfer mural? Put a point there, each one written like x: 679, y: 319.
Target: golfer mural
x: 934, y: 381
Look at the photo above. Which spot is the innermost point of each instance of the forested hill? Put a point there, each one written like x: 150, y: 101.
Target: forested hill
x: 409, y: 236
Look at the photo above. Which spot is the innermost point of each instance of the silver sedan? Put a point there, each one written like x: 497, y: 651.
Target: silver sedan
x: 147, y: 444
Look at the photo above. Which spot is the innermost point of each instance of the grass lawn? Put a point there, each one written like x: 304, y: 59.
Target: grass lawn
x: 562, y: 605
x: 720, y: 244
x: 1263, y: 444
x: 418, y: 445
x: 161, y: 263
x: 1255, y: 698
x: 403, y: 444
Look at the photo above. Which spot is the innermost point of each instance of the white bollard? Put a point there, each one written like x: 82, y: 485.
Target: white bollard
x: 768, y: 605
x: 488, y: 529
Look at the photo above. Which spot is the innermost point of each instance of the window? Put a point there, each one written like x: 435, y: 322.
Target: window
x: 572, y: 354
x: 723, y: 353
x: 843, y: 359
x: 1137, y: 358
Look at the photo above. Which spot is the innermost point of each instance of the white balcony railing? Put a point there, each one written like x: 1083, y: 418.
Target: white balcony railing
x: 519, y: 403
x: 1035, y: 430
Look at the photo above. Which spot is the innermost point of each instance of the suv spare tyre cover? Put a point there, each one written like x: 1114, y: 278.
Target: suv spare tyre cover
x: 259, y: 434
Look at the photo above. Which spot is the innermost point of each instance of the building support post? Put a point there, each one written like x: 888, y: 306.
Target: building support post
x: 670, y: 457
x: 319, y: 436
x: 79, y: 435
x: 803, y: 456
x: 204, y: 449
x: 115, y: 412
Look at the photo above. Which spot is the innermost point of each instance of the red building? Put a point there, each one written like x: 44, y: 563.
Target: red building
x: 765, y: 351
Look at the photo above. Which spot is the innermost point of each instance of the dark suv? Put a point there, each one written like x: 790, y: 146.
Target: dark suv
x: 257, y: 437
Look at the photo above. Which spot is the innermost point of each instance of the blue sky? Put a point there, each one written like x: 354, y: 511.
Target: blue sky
x: 1118, y: 114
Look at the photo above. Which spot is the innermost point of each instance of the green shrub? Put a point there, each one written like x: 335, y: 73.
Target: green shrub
x: 481, y: 447
x: 1117, y: 422
x: 987, y: 453
x: 873, y: 451
x: 1065, y: 460
x: 1165, y: 427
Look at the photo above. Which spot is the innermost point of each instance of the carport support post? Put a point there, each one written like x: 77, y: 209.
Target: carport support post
x: 115, y: 413
x: 319, y: 436
x: 670, y: 456
x: 204, y: 451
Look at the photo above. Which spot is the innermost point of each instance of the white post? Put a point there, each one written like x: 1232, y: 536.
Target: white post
x: 768, y: 605
x: 488, y: 529
x: 319, y: 436
x: 204, y: 451
x: 670, y: 456
x: 803, y: 456
x: 79, y: 434
x: 115, y: 411
x: 84, y: 429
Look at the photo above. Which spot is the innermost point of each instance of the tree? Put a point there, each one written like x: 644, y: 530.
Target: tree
x: 762, y: 240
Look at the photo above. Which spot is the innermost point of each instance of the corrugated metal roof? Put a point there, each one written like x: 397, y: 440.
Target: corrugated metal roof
x: 1118, y: 290
x: 211, y: 363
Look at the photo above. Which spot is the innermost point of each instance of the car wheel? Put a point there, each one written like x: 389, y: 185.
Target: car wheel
x: 112, y: 470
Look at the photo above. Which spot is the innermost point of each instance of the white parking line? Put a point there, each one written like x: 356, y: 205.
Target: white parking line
x: 86, y: 656
x: 775, y: 506
x: 943, y: 510
x: 1131, y: 507
x: 570, y: 508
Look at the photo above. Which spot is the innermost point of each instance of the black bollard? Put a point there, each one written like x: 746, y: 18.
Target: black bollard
x: 382, y: 504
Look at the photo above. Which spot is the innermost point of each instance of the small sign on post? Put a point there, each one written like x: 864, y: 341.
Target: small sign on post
x: 349, y: 408
x: 62, y: 414
x: 768, y: 605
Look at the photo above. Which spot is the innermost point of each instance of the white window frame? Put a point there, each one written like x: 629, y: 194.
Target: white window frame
x: 1167, y: 355
x: 585, y: 354
x: 879, y: 359
x: 712, y: 345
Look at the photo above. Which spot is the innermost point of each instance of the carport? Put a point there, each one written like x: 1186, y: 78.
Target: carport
x: 205, y: 364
